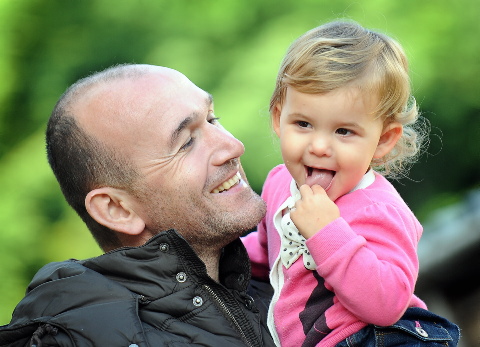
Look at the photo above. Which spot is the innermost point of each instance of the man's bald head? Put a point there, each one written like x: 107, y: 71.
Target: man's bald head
x: 79, y: 158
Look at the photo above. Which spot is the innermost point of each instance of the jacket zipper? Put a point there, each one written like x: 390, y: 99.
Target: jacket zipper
x: 229, y: 314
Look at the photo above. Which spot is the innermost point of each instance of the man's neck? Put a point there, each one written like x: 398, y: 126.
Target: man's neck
x: 212, y: 268
x: 211, y: 260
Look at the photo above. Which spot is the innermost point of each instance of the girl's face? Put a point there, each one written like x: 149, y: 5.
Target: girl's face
x: 330, y: 139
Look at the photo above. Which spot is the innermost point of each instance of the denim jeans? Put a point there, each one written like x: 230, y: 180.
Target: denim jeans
x: 417, y: 327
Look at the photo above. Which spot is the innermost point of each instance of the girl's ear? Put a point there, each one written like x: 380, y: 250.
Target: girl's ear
x: 276, y: 119
x: 112, y: 208
x: 390, y: 135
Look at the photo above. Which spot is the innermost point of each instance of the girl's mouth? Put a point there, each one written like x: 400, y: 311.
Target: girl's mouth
x: 321, y: 177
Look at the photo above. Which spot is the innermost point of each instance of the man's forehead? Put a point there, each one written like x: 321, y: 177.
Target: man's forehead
x: 134, y: 94
x: 169, y: 88
x: 133, y: 105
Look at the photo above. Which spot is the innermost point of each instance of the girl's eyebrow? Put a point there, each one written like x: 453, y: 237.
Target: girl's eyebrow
x: 352, y: 125
x: 296, y: 114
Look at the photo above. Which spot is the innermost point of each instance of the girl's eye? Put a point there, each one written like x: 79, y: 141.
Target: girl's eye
x: 343, y: 131
x: 303, y: 124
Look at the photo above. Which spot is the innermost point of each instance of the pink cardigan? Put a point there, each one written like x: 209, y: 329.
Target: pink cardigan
x: 367, y: 265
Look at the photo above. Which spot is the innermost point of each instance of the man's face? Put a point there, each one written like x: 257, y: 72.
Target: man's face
x: 188, y: 163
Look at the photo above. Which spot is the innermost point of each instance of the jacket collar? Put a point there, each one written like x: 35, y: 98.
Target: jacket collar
x: 165, y: 256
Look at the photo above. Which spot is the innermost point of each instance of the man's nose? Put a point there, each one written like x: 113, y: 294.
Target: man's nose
x: 321, y: 146
x: 227, y: 147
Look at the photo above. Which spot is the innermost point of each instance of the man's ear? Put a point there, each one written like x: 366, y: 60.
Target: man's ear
x: 390, y: 135
x: 277, y: 111
x: 112, y: 208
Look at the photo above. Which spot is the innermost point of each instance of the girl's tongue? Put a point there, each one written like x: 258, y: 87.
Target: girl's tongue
x: 321, y: 177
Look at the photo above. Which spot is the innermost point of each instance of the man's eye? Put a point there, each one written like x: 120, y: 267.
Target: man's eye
x: 214, y: 120
x: 187, y: 144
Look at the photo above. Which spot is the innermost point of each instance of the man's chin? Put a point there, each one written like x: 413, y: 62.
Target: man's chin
x: 254, y: 213
x: 244, y: 219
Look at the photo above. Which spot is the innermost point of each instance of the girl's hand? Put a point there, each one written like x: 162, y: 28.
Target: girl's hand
x: 313, y: 211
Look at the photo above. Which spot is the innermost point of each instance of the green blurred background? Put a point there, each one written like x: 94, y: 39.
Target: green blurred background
x: 233, y: 50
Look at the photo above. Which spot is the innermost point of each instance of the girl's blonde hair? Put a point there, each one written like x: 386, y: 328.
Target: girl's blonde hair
x: 343, y: 53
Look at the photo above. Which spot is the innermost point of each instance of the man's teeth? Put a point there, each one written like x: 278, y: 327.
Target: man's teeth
x: 228, y: 184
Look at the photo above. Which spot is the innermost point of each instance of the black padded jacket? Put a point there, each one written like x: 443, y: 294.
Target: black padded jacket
x: 158, y: 294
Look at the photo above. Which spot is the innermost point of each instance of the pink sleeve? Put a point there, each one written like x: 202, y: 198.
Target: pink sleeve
x: 371, y: 262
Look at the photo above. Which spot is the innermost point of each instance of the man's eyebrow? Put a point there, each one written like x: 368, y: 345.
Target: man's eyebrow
x: 209, y: 99
x: 183, y: 124
x: 187, y: 121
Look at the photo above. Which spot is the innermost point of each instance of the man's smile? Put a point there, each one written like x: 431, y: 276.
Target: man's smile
x: 228, y: 184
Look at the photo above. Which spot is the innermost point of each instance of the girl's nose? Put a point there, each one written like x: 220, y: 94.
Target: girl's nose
x: 321, y: 147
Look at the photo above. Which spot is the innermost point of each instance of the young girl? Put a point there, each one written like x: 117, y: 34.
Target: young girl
x: 338, y: 242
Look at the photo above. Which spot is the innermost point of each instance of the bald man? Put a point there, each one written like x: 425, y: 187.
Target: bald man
x: 140, y: 155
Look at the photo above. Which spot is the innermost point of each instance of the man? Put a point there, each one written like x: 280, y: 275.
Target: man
x: 141, y: 157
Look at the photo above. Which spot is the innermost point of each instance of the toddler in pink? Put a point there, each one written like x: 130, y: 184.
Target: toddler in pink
x: 338, y: 243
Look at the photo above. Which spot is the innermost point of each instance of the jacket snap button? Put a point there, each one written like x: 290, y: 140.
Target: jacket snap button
x: 143, y: 299
x: 249, y: 302
x: 421, y: 332
x: 241, y: 278
x: 197, y: 301
x: 181, y: 277
x: 164, y: 247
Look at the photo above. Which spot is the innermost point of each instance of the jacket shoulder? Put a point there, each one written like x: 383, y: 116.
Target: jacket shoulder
x: 79, y: 303
x: 56, y: 271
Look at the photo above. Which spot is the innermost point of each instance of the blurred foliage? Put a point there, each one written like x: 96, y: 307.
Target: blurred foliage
x: 232, y: 49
